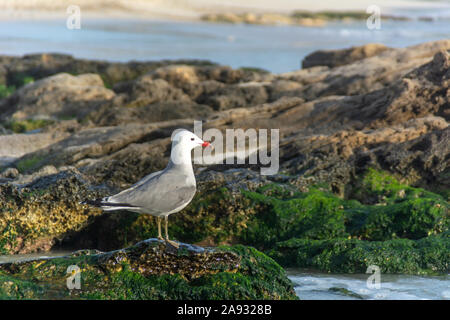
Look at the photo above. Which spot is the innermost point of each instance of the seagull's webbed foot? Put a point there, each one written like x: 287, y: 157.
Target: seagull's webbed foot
x: 160, y: 238
x: 173, y: 243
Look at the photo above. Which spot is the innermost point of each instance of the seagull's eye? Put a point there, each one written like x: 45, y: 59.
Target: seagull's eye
x: 192, y: 139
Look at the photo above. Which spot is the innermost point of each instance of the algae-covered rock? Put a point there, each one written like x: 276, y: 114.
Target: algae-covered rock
x: 430, y: 255
x: 361, y: 147
x: 238, y: 206
x: 37, y: 216
x: 151, y: 270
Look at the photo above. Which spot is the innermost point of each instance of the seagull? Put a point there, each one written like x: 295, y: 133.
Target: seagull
x: 163, y: 192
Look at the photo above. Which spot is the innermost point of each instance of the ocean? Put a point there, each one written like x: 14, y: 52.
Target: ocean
x: 274, y: 48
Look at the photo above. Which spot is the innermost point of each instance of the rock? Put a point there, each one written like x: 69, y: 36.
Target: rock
x: 28, y: 178
x: 345, y: 292
x: 218, y: 222
x: 146, y: 100
x: 422, y: 161
x: 239, y: 205
x: 180, y: 91
x: 124, y: 167
x: 109, y: 115
x: 427, y: 256
x: 263, y: 19
x: 145, y: 90
x: 182, y: 76
x: 336, y: 58
x: 177, y: 75
x: 336, y: 158
x: 39, y: 66
x: 366, y: 75
x: 87, y: 143
x: 36, y: 216
x: 363, y: 155
x: 10, y: 173
x: 59, y: 96
x: 17, y: 145
x: 150, y: 270
x: 236, y: 96
x: 283, y: 88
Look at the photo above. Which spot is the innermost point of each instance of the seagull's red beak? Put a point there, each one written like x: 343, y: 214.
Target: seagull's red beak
x: 206, y: 144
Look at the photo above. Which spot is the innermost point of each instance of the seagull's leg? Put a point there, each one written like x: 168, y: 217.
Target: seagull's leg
x: 173, y: 243
x: 159, y: 228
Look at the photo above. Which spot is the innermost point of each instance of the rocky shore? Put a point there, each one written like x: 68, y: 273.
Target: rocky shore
x: 299, y: 17
x: 364, y: 170
x: 150, y: 270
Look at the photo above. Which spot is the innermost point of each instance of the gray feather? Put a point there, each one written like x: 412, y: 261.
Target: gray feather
x: 159, y: 193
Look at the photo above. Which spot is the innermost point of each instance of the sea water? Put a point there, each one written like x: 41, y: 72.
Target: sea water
x: 324, y: 286
x: 312, y: 285
x: 273, y: 48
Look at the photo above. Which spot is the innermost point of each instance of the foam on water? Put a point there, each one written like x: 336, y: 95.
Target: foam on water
x: 316, y: 286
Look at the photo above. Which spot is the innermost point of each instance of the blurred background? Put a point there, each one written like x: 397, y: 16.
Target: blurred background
x: 272, y: 35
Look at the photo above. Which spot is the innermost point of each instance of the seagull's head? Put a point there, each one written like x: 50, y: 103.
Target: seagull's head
x: 187, y: 139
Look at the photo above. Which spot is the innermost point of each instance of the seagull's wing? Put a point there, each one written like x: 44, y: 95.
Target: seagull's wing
x: 144, y: 180
x: 164, y: 192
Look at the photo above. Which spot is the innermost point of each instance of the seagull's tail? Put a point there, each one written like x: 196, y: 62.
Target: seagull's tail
x: 105, y: 204
x: 94, y: 203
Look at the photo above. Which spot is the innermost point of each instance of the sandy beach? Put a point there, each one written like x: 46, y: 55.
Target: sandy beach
x: 185, y: 10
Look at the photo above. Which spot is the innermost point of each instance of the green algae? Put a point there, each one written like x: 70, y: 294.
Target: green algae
x: 380, y: 186
x: 12, y: 288
x: 34, y: 217
x: 381, y: 213
x: 259, y: 277
x: 427, y: 256
x: 338, y: 15
x: 214, y: 215
x: 17, y: 80
x: 27, y: 125
x: 20, y: 79
x: 254, y: 69
x: 316, y: 215
x: 105, y: 276
x: 382, y: 218
x: 400, y: 228
x: 6, y: 91
x: 29, y: 163
x: 345, y: 292
x: 7, y: 238
x: 395, y: 211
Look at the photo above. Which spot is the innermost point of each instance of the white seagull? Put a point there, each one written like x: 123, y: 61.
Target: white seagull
x: 164, y: 192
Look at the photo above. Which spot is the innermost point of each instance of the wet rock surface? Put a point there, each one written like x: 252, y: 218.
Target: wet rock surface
x: 37, y: 215
x: 152, y: 270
